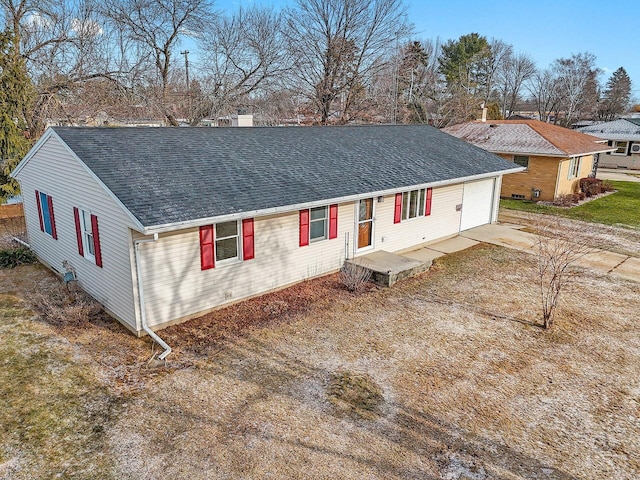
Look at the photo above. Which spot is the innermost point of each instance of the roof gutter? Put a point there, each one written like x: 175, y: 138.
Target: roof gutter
x: 154, y: 229
x: 556, y: 155
x: 143, y: 314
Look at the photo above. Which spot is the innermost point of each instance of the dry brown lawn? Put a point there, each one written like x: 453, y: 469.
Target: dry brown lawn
x: 471, y: 387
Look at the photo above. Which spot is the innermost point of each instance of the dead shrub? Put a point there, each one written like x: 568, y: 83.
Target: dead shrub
x: 569, y: 200
x: 606, y: 186
x: 60, y: 305
x: 275, y: 308
x: 355, y: 394
x: 354, y: 277
x: 590, y: 186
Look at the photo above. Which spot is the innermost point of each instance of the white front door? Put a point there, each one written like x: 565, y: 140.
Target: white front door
x: 477, y: 203
x: 364, y: 229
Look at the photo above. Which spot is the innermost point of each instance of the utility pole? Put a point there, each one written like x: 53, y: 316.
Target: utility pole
x: 186, y: 68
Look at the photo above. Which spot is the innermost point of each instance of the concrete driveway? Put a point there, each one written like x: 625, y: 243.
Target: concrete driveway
x: 511, y: 236
x: 619, y: 175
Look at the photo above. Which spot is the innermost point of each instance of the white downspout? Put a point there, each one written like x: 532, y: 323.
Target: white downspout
x: 143, y: 315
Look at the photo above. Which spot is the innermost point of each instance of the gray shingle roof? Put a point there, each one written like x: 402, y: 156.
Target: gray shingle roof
x: 168, y: 175
x: 621, y: 129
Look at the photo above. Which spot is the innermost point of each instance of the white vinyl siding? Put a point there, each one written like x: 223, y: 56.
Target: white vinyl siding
x: 176, y: 287
x: 52, y: 169
x: 443, y: 221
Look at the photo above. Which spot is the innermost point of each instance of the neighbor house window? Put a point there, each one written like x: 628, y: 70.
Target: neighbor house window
x: 45, y: 214
x: 88, y: 235
x: 413, y: 204
x: 318, y: 223
x: 522, y: 160
x: 621, y: 148
x: 574, y: 168
x: 227, y: 241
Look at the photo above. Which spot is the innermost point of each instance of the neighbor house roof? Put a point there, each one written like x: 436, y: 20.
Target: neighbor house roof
x: 530, y: 137
x: 621, y: 129
x: 167, y: 176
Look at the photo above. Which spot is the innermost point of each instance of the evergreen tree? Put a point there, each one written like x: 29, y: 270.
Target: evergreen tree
x: 16, y: 98
x: 463, y: 63
x: 616, y: 96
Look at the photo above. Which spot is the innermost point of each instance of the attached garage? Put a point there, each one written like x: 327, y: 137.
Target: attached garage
x: 477, y: 203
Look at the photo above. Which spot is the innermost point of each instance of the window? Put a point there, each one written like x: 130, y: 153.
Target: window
x: 413, y: 204
x: 318, y: 223
x: 574, y: 168
x: 621, y: 148
x: 227, y: 241
x: 88, y: 235
x: 221, y: 243
x: 521, y: 160
x: 45, y: 214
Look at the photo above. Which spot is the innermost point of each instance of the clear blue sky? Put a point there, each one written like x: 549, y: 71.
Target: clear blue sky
x: 544, y: 29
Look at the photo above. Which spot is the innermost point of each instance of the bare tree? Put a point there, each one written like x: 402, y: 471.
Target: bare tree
x: 514, y: 71
x: 243, y: 57
x: 544, y: 90
x: 499, y: 52
x: 557, y: 250
x: 339, y: 45
x: 157, y: 27
x: 577, y: 81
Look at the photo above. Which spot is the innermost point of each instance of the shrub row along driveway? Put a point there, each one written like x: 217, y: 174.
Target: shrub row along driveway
x: 470, y: 388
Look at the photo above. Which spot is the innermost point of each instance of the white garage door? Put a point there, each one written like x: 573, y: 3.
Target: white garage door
x: 477, y: 203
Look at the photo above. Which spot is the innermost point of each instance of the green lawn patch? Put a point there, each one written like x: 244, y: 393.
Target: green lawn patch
x: 620, y: 208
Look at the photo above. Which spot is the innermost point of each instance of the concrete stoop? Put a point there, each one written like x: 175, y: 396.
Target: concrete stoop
x: 387, y: 268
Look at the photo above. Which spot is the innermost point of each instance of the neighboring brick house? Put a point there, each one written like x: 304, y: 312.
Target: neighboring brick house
x: 555, y: 158
x: 624, y: 136
x: 163, y: 224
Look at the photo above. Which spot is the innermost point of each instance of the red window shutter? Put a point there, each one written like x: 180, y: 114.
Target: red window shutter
x: 76, y: 216
x: 427, y: 206
x: 207, y: 258
x: 247, y: 239
x: 304, y: 228
x: 333, y: 221
x: 397, y: 216
x: 54, y: 232
x: 96, y: 240
x: 39, y: 211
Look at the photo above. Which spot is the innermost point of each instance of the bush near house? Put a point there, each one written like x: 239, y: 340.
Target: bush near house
x: 591, y: 186
x: 13, y: 257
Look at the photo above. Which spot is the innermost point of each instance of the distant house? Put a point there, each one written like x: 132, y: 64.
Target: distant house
x: 555, y: 158
x: 163, y: 224
x: 624, y: 136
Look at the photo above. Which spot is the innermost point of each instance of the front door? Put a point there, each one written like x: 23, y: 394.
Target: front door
x: 365, y: 223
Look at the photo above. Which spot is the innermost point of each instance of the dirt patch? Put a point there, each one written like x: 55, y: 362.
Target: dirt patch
x: 471, y: 387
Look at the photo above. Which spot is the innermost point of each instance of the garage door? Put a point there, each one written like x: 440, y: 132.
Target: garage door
x: 477, y: 203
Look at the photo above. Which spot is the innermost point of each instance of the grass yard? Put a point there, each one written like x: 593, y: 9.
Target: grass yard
x: 443, y: 376
x: 619, y: 209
